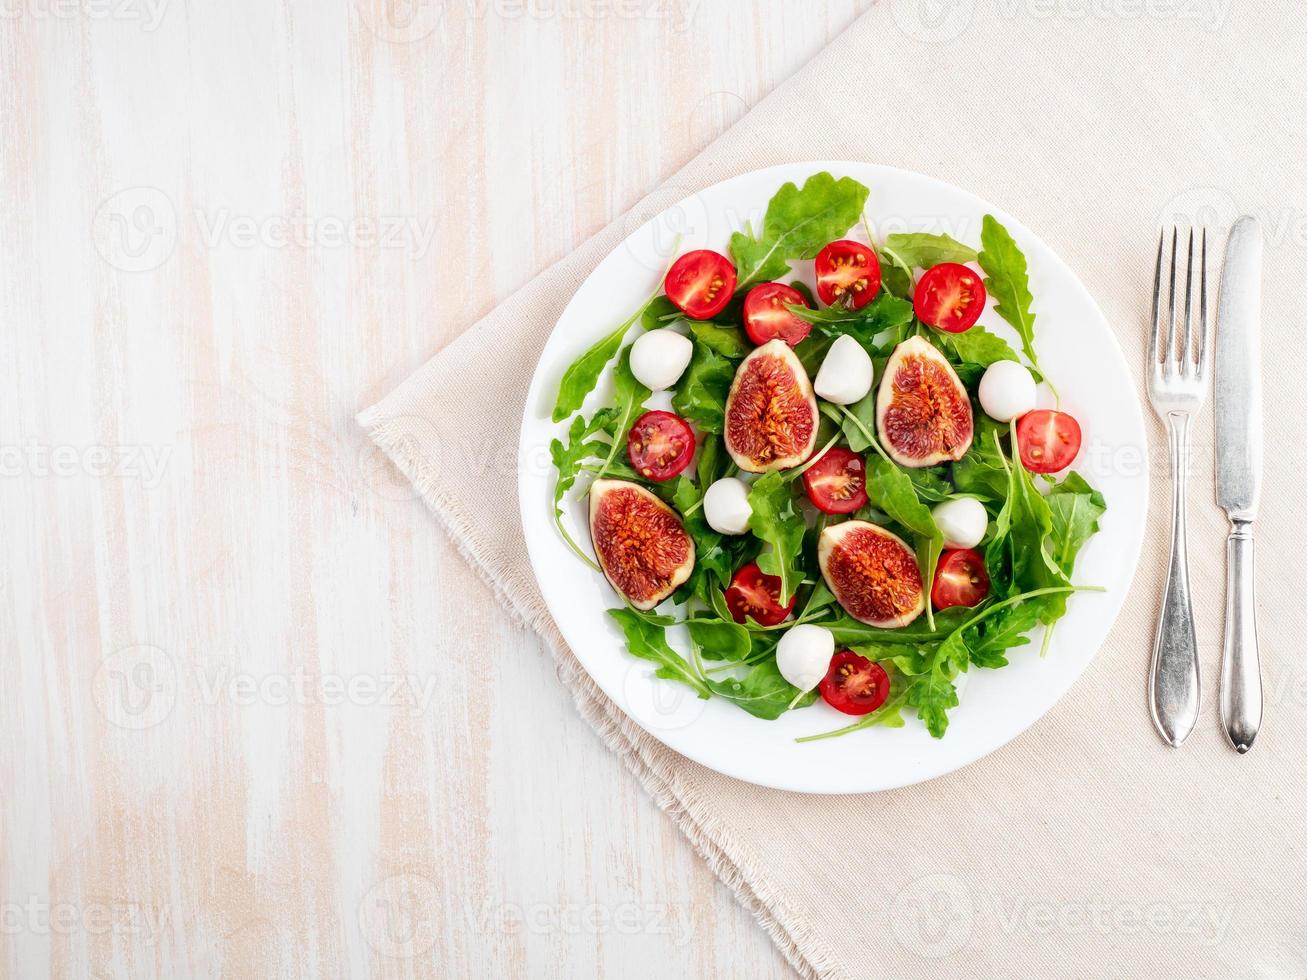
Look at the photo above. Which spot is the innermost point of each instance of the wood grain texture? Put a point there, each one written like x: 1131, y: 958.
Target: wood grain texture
x: 258, y: 719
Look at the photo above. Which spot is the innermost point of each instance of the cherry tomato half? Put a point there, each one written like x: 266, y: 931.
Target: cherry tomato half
x: 1048, y: 440
x: 854, y: 684
x: 837, y: 482
x: 949, y: 296
x: 700, y: 283
x: 660, y: 445
x: 846, y: 268
x: 766, y: 318
x: 960, y: 579
x: 751, y: 593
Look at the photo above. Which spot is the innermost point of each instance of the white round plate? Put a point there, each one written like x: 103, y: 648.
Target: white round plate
x: 1076, y: 348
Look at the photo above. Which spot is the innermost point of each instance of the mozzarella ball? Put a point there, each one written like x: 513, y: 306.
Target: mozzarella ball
x: 804, y: 653
x: 845, y: 375
x: 962, y: 522
x: 659, y: 358
x: 1007, y: 391
x: 726, y: 506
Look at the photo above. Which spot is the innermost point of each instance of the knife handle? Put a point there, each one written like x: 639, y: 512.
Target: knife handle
x: 1174, y: 691
x: 1241, y: 668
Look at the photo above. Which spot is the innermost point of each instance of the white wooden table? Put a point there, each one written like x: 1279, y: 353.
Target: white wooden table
x: 258, y: 718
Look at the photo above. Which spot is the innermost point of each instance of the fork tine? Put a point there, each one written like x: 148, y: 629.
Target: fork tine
x: 1169, y: 352
x: 1203, y: 330
x: 1155, y: 334
x: 1184, y: 349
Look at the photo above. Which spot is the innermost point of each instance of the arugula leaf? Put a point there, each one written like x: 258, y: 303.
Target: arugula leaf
x: 567, y: 459
x: 630, y: 397
x: 891, y: 490
x: 725, y: 341
x: 1008, y: 281
x: 859, y: 425
x: 976, y: 346
x: 1075, y: 507
x: 711, y: 464
x: 895, y: 273
x: 811, y: 351
x: 933, y: 694
x: 1017, y: 556
x: 797, y: 224
x: 582, y: 374
x: 713, y: 555
x: 989, y: 641
x: 762, y: 692
x: 778, y: 524
x: 719, y: 639
x: 930, y: 484
x: 648, y: 641
x: 849, y: 632
x: 884, y: 313
x: 700, y: 395
x: 982, y: 472
x: 921, y: 250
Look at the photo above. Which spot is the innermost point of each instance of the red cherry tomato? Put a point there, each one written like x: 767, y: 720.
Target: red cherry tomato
x: 949, y: 296
x: 960, y: 579
x: 837, y: 482
x: 751, y: 593
x: 1048, y: 440
x: 854, y: 684
x: 766, y: 318
x: 846, y: 268
x: 660, y: 445
x: 700, y: 283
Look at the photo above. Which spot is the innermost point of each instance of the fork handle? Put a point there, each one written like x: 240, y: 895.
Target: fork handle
x: 1241, y: 671
x: 1173, y: 684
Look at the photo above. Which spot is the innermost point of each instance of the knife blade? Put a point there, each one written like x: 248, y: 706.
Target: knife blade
x: 1238, y: 369
x: 1239, y: 474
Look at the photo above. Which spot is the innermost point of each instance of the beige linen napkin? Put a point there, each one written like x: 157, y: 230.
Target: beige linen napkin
x: 1085, y: 846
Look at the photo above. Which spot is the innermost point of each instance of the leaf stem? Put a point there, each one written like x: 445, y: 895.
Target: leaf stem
x: 576, y: 549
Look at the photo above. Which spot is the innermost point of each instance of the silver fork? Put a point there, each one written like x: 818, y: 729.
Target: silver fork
x: 1177, y: 386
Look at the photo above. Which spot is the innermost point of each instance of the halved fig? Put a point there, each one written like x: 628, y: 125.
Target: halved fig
x: 872, y: 572
x: 771, y: 411
x: 923, y: 413
x: 642, y: 545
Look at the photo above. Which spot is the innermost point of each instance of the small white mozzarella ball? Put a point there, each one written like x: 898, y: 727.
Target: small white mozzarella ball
x: 803, y: 655
x: 846, y: 372
x: 1007, y: 391
x: 962, y: 522
x: 659, y: 357
x: 726, y: 506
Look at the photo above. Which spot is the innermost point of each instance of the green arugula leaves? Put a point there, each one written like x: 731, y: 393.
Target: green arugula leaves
x: 776, y: 523
x: 1007, y: 279
x: 798, y: 223
x: 918, y: 250
x: 1037, y: 529
x: 700, y: 394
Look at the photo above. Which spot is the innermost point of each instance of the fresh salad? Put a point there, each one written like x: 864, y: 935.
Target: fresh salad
x: 848, y: 496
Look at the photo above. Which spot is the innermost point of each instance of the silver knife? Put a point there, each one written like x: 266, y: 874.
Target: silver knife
x: 1239, y: 473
